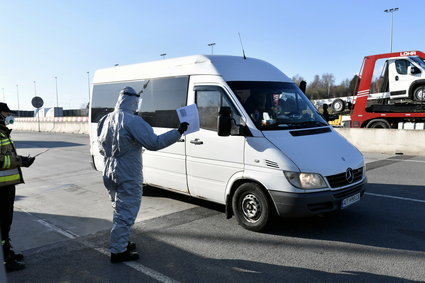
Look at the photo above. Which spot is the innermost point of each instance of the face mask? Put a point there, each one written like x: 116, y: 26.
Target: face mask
x: 9, y: 120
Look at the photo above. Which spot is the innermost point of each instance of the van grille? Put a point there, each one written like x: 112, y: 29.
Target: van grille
x: 347, y: 192
x: 271, y: 163
x: 339, y: 180
x: 320, y: 206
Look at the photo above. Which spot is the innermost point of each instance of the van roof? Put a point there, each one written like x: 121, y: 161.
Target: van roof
x: 231, y: 68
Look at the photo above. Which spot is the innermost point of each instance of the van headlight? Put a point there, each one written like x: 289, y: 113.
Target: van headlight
x: 305, y: 180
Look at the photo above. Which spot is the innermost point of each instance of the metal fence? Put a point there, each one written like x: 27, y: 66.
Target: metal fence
x: 66, y: 113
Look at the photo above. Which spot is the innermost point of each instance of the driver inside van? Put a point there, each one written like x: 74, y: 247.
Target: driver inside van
x: 256, y: 105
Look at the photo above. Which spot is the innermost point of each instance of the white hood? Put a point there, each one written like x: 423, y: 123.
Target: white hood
x: 325, y: 153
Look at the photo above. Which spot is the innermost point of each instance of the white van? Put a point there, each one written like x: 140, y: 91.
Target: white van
x: 406, y: 77
x: 262, y: 147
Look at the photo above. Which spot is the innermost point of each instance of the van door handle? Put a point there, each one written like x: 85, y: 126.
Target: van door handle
x: 196, y: 141
x: 396, y: 78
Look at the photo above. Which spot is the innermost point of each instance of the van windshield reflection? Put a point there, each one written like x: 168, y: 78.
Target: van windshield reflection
x: 419, y: 61
x: 276, y: 105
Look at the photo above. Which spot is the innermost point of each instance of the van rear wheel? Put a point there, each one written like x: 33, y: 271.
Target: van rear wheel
x: 251, y: 207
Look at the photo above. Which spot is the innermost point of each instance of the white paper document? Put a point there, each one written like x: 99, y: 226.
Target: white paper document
x: 189, y: 114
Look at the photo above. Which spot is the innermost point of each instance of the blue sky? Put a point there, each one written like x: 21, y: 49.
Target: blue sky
x: 41, y: 39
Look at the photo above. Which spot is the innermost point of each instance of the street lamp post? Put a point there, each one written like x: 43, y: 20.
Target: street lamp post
x: 212, y: 47
x: 35, y: 89
x: 17, y: 95
x: 57, y: 96
x: 163, y: 55
x: 392, y: 10
x: 88, y: 86
x: 4, y: 99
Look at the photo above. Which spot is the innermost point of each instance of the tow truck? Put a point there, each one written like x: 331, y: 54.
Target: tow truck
x: 395, y: 99
x: 401, y: 91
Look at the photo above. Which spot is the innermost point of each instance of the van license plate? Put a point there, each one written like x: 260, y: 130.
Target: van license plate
x: 350, y: 200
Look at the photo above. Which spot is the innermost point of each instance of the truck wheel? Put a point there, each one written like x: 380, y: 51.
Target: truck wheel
x: 419, y: 93
x: 378, y: 124
x: 338, y: 105
x: 251, y: 207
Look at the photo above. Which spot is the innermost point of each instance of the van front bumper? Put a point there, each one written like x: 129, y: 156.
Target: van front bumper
x: 309, y: 204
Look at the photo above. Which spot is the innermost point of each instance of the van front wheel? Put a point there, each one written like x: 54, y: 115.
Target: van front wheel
x: 419, y: 93
x: 251, y: 207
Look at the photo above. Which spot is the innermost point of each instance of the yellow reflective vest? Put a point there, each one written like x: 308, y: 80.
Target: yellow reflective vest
x: 10, y: 170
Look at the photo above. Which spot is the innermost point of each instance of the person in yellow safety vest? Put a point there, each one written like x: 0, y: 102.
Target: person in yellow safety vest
x: 10, y: 175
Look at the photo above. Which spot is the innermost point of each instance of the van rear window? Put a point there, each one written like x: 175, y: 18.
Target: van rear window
x: 160, y: 99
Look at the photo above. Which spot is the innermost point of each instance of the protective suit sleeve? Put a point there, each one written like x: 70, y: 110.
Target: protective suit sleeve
x: 104, y: 136
x: 144, y: 135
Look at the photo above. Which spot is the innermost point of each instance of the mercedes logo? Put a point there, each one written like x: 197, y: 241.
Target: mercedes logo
x: 349, y: 175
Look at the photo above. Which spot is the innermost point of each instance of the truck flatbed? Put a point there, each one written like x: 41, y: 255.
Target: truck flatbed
x: 396, y: 108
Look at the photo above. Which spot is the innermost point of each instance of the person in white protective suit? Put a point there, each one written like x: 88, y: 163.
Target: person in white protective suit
x: 121, y: 136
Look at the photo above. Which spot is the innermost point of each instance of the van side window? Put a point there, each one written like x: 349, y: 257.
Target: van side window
x: 208, y: 101
x: 161, y: 98
x: 401, y: 66
x: 105, y: 97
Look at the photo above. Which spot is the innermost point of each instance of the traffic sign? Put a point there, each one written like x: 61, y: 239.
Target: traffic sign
x: 37, y: 102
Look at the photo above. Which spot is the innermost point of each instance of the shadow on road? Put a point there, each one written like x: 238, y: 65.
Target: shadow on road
x: 45, y: 144
x: 200, y: 245
x: 163, y: 251
x: 374, y: 221
x: 156, y: 192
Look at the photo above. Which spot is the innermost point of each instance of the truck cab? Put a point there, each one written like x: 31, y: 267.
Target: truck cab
x: 406, y: 77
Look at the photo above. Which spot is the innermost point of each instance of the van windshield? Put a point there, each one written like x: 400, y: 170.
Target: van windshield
x: 419, y: 61
x: 276, y: 105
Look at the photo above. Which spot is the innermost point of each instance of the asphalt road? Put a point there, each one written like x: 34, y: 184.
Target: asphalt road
x: 62, y: 222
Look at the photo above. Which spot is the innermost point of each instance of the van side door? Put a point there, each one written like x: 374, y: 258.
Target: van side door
x: 161, y: 97
x: 211, y: 159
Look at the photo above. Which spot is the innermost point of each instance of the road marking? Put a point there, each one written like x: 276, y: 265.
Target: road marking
x: 66, y: 233
x: 143, y: 269
x: 137, y: 266
x: 50, y: 226
x: 394, y: 197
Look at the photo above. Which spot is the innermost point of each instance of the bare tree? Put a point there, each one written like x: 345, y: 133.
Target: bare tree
x: 297, y: 79
x: 328, y: 81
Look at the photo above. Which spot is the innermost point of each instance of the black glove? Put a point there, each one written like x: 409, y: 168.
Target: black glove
x: 27, y: 161
x: 183, y: 127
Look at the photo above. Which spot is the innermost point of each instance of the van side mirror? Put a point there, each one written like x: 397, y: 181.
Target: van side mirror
x: 303, y: 86
x: 413, y: 70
x: 224, y: 121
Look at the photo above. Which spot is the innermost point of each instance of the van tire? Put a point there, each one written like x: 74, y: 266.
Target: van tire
x: 251, y: 207
x: 419, y: 93
x: 338, y: 105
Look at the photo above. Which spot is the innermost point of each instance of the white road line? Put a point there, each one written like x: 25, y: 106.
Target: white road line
x: 66, y: 233
x: 394, y: 197
x: 143, y: 269
x: 137, y: 266
x: 59, y: 230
